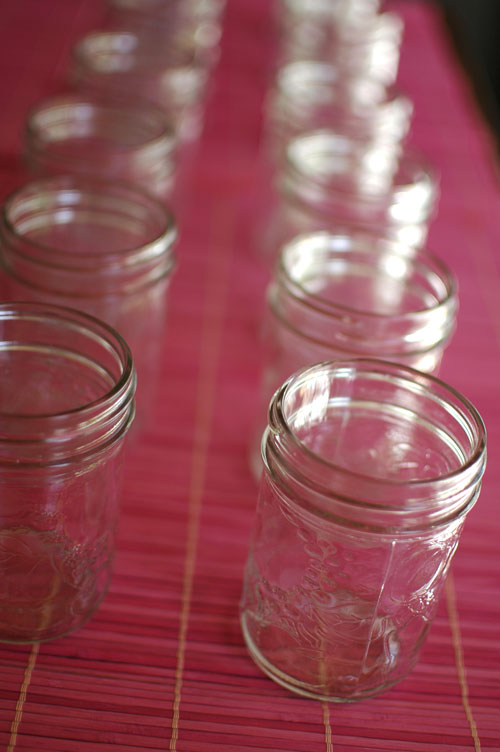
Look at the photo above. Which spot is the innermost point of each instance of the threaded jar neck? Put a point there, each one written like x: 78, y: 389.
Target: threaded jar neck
x: 84, y: 238
x: 86, y: 135
x: 362, y: 296
x: 374, y: 445
x: 68, y: 384
x: 336, y: 178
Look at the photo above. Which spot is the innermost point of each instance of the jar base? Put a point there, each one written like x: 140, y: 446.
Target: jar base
x: 302, y: 688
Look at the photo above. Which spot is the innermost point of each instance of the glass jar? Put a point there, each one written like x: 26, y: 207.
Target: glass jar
x: 83, y: 135
x: 102, y: 247
x: 368, y: 47
x: 107, y: 63
x: 345, y: 12
x: 309, y: 96
x: 196, y: 22
x: 329, y: 180
x: 370, y: 471
x: 66, y: 403
x: 342, y: 296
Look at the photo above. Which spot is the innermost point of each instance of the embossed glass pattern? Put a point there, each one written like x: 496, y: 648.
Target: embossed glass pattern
x: 66, y: 402
x: 370, y: 471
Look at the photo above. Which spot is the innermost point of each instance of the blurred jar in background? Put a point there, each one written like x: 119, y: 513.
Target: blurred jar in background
x: 369, y: 46
x: 101, y: 247
x: 66, y: 403
x: 194, y: 22
x: 342, y: 296
x: 129, y: 64
x: 326, y: 180
x: 83, y: 135
x: 291, y: 13
x: 308, y: 95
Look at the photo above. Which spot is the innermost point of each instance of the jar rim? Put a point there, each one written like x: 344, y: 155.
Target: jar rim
x: 124, y: 385
x: 419, y: 258
x: 166, y: 234
x: 279, y: 425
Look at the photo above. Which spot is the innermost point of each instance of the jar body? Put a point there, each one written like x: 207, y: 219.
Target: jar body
x: 57, y: 543
x: 360, y: 510
x: 334, y: 613
x: 66, y: 405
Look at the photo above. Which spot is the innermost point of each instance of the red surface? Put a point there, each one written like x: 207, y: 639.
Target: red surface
x: 162, y: 665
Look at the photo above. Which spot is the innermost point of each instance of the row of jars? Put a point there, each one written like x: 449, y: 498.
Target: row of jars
x: 88, y: 247
x: 369, y: 466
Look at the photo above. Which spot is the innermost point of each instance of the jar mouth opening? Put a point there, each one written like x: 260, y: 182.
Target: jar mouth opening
x: 68, y: 118
x: 463, y: 412
x: 309, y: 261
x: 55, y: 202
x: 116, y: 395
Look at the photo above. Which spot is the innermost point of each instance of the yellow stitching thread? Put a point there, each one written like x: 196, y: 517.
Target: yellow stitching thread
x: 209, y: 356
x: 451, y: 604
x: 22, y: 697
x: 328, y: 728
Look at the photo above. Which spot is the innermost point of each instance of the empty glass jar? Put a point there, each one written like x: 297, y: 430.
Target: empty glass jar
x: 66, y: 403
x: 308, y: 96
x: 370, y: 471
x: 106, y: 63
x: 102, y: 247
x: 342, y: 296
x: 196, y: 22
x: 367, y: 46
x: 345, y: 12
x: 329, y: 180
x: 82, y: 135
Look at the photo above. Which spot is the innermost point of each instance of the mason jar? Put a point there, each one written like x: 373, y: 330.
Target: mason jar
x: 102, y: 247
x: 368, y: 45
x: 346, y: 12
x: 197, y: 22
x: 342, y: 296
x: 309, y: 96
x: 327, y: 180
x: 106, y: 63
x: 66, y: 404
x: 370, y: 471
x: 84, y: 135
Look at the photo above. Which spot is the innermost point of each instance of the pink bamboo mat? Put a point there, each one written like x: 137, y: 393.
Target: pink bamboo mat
x: 162, y: 665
